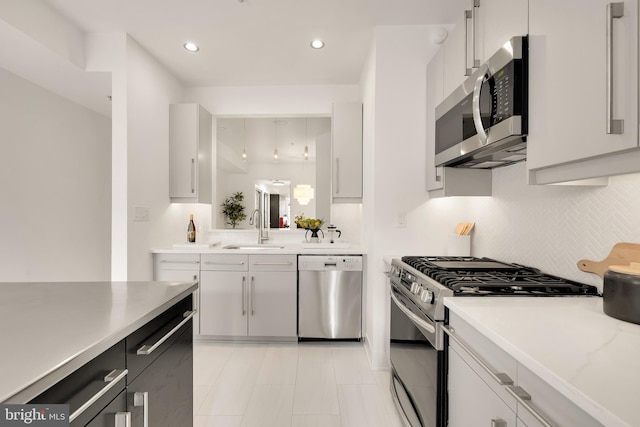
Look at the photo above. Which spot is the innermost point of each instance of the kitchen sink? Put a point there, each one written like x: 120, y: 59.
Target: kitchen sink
x: 253, y: 247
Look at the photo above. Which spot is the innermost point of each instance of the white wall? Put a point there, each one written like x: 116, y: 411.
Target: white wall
x: 394, y: 84
x: 552, y: 227
x: 55, y: 188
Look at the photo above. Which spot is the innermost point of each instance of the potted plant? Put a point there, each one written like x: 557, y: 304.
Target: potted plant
x: 233, y: 209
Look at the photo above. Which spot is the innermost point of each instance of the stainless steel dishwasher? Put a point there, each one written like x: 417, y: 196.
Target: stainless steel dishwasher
x: 329, y: 297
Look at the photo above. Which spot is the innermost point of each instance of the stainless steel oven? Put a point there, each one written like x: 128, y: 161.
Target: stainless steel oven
x: 418, y: 348
x: 417, y: 358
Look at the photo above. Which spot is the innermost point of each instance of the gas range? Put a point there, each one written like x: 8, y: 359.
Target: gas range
x: 426, y: 280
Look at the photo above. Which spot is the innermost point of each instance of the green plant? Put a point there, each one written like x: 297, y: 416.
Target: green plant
x: 233, y: 209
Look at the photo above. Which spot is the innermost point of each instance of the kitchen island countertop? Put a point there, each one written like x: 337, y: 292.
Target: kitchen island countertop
x: 51, y: 329
x: 589, y: 357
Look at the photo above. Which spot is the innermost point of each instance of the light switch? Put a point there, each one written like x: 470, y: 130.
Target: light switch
x: 140, y: 213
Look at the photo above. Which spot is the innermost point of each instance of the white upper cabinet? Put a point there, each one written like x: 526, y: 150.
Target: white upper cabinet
x: 480, y: 31
x: 190, y: 146
x: 455, y: 55
x: 346, y: 126
x: 583, y: 78
x: 496, y: 21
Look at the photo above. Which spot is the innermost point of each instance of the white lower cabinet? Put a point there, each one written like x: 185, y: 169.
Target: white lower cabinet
x: 472, y: 401
x: 487, y: 387
x: 180, y: 268
x: 248, y: 295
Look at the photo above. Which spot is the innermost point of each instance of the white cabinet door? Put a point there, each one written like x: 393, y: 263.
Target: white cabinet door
x: 273, y: 298
x: 568, y: 87
x: 190, y: 148
x: 346, y: 125
x: 471, y: 401
x: 496, y: 22
x: 456, y: 54
x: 180, y: 268
x: 223, y: 303
x: 435, y: 95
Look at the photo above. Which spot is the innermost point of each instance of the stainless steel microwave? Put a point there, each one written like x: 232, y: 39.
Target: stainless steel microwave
x: 483, y: 123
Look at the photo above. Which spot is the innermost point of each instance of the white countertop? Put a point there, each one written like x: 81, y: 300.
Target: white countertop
x: 589, y: 357
x: 288, y: 249
x: 51, y: 329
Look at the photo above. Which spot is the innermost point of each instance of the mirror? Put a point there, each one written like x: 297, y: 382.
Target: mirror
x: 245, y: 161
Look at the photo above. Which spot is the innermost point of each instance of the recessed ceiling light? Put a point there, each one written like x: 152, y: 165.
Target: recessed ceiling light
x: 191, y: 47
x: 317, y: 44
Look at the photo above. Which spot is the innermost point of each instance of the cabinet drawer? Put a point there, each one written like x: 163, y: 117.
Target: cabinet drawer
x: 549, y: 403
x: 496, y: 358
x: 273, y: 262
x: 87, y: 382
x: 148, y: 336
x: 177, y: 261
x: 225, y: 262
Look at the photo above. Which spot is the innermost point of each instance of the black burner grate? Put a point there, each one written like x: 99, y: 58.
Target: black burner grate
x: 513, y: 279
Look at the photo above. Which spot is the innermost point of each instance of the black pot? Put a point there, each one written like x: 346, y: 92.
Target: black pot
x: 621, y: 293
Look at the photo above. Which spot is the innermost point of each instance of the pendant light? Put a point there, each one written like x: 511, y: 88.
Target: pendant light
x: 275, y: 151
x: 303, y: 193
x: 244, y: 140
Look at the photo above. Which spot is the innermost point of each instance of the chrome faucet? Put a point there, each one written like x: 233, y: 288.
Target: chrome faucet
x: 257, y: 215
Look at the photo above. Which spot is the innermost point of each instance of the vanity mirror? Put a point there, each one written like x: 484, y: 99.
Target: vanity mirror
x: 296, y: 182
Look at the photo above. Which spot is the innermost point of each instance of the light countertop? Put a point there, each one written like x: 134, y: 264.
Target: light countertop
x: 287, y: 249
x: 51, y: 329
x: 589, y: 357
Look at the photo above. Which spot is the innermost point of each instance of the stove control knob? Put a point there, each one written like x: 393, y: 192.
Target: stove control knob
x: 426, y: 296
x: 415, y: 288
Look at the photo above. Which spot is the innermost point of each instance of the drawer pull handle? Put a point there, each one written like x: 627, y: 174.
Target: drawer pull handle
x: 499, y: 377
x: 141, y: 398
x: 497, y: 422
x: 148, y: 349
x: 166, y: 261
x: 123, y: 419
x: 224, y: 263
x: 112, y: 378
x: 523, y: 399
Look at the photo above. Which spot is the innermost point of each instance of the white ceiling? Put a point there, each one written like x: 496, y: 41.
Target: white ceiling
x: 256, y: 42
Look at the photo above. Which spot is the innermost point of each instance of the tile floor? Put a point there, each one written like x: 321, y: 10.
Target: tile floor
x: 289, y: 385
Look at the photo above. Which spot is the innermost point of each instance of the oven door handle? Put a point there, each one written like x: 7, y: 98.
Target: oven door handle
x: 415, y: 319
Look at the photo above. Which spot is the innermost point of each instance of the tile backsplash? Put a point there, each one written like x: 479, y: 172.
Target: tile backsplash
x: 552, y: 227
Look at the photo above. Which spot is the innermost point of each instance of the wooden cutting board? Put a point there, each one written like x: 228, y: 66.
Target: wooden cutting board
x: 621, y: 254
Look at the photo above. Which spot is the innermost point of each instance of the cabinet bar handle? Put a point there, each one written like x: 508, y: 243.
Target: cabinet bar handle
x: 148, y: 349
x: 193, y: 176
x: 223, y: 263
x: 112, y: 378
x: 244, y: 283
x: 614, y: 11
x: 272, y: 263
x: 496, y: 422
x: 123, y: 419
x: 141, y: 398
x: 166, y: 261
x: 253, y: 286
x: 523, y: 399
x: 499, y: 377
x: 337, y: 175
x: 468, y: 14
x: 475, y: 62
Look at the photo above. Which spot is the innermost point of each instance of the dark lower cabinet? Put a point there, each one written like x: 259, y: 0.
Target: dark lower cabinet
x: 146, y: 380
x: 114, y: 414
x: 162, y: 395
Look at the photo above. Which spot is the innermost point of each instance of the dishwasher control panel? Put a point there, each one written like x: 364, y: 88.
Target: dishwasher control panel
x: 326, y: 262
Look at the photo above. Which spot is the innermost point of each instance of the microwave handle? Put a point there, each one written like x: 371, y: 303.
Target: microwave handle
x: 483, y: 75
